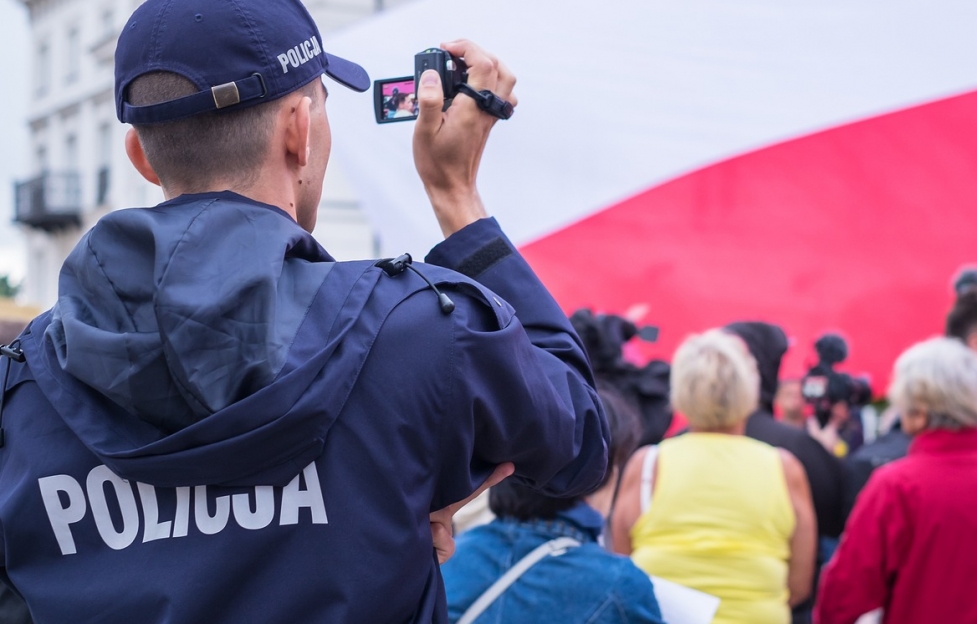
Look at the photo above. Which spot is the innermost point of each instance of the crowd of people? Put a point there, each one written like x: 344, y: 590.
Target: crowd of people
x: 768, y: 513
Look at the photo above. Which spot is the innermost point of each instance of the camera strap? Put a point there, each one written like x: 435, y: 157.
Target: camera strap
x: 488, y: 101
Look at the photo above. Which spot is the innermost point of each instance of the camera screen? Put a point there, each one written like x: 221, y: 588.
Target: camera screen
x: 395, y: 100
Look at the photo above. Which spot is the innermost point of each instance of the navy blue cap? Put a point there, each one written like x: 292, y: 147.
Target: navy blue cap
x: 239, y: 53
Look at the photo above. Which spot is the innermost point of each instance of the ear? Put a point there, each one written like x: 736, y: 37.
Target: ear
x: 972, y: 340
x: 913, y: 421
x: 298, y: 132
x: 138, y: 157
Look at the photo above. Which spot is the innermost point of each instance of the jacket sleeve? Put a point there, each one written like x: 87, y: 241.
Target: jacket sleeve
x: 827, y: 478
x: 635, y: 596
x: 859, y: 576
x: 526, y: 390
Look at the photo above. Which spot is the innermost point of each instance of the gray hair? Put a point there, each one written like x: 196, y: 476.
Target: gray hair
x: 714, y: 380
x: 938, y: 376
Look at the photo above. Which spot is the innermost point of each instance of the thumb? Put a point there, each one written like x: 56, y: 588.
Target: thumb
x: 430, y: 100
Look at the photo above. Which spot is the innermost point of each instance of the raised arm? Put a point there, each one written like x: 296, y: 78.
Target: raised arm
x: 627, y: 507
x: 804, y: 541
x: 448, y: 145
x: 523, y: 383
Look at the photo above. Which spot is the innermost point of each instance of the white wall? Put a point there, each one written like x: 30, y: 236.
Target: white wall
x: 73, y: 97
x: 78, y: 103
x: 14, y: 158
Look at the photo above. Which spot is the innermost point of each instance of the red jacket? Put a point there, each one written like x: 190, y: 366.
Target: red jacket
x: 910, y: 545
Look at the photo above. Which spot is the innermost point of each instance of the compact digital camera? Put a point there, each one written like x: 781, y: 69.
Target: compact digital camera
x: 395, y: 99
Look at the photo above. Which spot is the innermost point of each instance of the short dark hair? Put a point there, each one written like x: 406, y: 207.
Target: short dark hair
x: 520, y: 502
x: 195, y: 151
x: 512, y: 500
x: 962, y: 319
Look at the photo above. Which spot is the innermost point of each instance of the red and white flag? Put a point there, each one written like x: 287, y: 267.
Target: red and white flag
x: 699, y: 162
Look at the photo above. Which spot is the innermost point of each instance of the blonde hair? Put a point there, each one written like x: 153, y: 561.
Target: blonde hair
x: 714, y: 380
x: 938, y: 376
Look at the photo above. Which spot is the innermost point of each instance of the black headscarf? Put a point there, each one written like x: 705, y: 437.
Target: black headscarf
x: 768, y: 344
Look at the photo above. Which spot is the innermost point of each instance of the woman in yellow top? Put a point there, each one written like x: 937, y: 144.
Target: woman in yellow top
x: 713, y: 509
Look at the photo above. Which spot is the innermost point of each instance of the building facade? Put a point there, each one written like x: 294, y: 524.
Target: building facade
x: 79, y: 167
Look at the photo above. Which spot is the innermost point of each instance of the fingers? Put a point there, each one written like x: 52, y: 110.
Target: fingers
x: 483, y: 68
x: 506, y: 83
x: 444, y: 542
x: 430, y: 101
x: 500, y: 474
x: 485, y: 71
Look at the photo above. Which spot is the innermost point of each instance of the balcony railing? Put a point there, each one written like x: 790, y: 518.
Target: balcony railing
x: 51, y: 201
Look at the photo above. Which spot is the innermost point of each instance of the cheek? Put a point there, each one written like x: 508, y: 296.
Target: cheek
x: 912, y: 424
x: 326, y: 138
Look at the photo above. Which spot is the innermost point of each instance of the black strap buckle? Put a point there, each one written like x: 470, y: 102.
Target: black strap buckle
x: 488, y: 102
x: 13, y: 351
x: 395, y: 266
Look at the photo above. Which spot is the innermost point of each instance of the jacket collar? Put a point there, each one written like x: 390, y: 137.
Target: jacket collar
x: 944, y: 441
x: 581, y: 522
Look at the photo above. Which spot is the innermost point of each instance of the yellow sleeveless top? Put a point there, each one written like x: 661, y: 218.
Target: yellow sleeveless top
x: 720, y: 521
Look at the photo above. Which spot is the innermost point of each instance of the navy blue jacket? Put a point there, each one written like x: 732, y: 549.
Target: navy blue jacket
x: 218, y: 423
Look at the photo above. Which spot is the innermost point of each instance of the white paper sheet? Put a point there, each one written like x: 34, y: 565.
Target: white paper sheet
x: 873, y: 617
x: 683, y: 605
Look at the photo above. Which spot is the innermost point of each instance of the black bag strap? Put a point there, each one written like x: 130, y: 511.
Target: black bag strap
x: 552, y: 548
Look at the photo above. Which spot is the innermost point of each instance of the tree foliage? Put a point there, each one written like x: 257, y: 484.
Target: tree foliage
x: 7, y: 288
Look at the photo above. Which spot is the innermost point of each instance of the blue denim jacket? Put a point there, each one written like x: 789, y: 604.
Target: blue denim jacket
x: 587, y: 585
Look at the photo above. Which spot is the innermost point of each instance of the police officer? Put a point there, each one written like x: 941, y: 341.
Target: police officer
x: 218, y: 422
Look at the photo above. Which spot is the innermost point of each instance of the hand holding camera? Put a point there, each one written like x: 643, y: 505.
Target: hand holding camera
x: 457, y: 94
x: 448, y: 144
x: 395, y: 99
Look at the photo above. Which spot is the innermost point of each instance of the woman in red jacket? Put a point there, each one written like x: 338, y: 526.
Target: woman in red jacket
x: 910, y: 546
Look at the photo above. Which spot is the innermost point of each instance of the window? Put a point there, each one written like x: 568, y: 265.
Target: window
x: 104, y: 159
x: 40, y: 159
x: 104, y: 145
x: 71, y: 153
x: 43, y: 69
x: 73, y: 49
